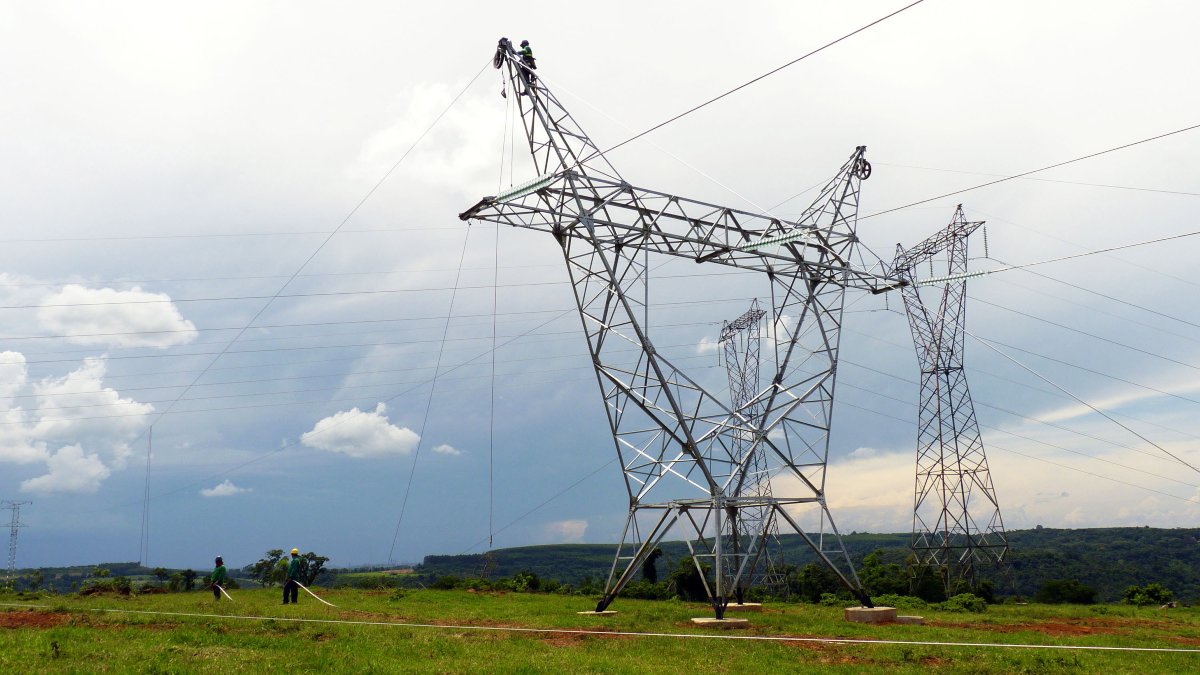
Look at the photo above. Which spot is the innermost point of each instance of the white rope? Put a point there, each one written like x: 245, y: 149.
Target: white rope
x: 312, y: 594
x: 608, y: 633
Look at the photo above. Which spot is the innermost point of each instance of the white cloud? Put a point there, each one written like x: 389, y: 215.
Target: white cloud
x: 73, y: 411
x: 707, y: 345
x: 444, y: 449
x: 224, y: 489
x: 565, y: 531
x: 98, y: 316
x: 70, y: 471
x: 361, y: 434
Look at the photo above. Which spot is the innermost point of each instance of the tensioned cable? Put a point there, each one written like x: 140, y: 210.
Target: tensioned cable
x: 492, y: 389
x: 1027, y: 173
x: 875, y: 392
x: 1040, y: 459
x: 1044, y: 180
x: 980, y: 273
x: 1080, y: 400
x: 322, y: 245
x: 437, y: 366
x: 614, y: 633
x: 760, y: 77
x: 549, y: 499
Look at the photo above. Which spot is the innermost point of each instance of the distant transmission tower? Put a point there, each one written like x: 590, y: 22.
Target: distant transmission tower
x: 956, y: 516
x: 15, y: 527
x: 741, y: 347
x: 683, y: 450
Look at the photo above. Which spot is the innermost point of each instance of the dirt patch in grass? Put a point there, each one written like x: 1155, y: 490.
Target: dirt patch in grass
x: 41, y: 620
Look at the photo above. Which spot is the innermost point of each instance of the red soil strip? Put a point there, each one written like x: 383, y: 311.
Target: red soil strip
x: 40, y: 620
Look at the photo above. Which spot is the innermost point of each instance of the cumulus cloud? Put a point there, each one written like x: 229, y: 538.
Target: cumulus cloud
x: 361, y: 434
x: 72, y: 412
x: 70, y: 471
x: 224, y: 489
x: 565, y: 531
x: 444, y: 449
x: 707, y: 345
x: 108, y: 317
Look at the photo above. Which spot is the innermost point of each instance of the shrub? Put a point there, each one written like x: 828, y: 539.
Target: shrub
x: 831, y: 600
x: 446, y: 583
x: 900, y: 601
x: 1150, y: 594
x: 963, y: 602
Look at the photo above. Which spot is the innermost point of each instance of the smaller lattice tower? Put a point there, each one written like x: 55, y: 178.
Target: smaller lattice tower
x: 957, y: 528
x: 741, y: 350
x: 15, y: 527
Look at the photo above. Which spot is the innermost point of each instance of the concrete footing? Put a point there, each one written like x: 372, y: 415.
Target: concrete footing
x: 911, y: 620
x: 871, y: 614
x: 744, y: 607
x: 607, y: 612
x: 710, y: 622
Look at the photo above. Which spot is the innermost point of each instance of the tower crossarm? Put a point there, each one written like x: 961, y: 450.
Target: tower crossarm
x: 615, y: 213
x: 907, y: 259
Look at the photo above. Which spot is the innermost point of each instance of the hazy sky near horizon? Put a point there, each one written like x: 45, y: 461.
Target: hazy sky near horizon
x: 170, y: 169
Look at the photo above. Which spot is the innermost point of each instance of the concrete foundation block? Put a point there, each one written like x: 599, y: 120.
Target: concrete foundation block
x: 871, y: 614
x: 911, y: 620
x: 744, y: 607
x: 710, y: 622
x: 607, y: 612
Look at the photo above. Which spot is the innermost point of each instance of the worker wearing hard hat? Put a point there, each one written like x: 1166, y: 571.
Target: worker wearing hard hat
x: 217, y: 577
x: 293, y: 574
x: 526, y: 54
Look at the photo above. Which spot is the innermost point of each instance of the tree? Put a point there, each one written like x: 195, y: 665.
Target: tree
x: 266, y: 570
x: 311, y: 567
x: 879, y: 578
x: 650, y: 566
x: 688, y: 582
x: 36, y: 579
x: 1058, y: 591
x: 189, y: 579
x: 161, y: 574
x: 100, y: 572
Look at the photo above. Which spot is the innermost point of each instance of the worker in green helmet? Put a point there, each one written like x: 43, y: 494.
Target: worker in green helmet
x: 526, y: 54
x: 292, y: 584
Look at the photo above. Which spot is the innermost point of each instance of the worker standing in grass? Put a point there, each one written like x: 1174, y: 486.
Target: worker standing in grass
x: 217, y: 578
x: 291, y: 585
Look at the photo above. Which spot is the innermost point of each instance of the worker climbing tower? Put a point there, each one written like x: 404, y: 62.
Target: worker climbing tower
x: 956, y: 516
x: 684, y: 452
x: 741, y: 347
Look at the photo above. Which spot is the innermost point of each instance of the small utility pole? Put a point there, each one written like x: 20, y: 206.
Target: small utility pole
x: 15, y: 507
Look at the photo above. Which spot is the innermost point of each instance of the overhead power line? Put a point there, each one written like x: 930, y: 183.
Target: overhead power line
x: 760, y: 77
x: 1031, y: 172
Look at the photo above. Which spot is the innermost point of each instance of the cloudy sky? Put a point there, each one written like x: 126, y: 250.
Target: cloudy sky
x: 172, y: 173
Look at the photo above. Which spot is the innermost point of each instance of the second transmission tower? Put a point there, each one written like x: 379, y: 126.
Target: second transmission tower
x: 956, y: 515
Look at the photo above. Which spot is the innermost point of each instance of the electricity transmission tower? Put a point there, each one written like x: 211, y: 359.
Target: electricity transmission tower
x: 741, y: 346
x: 684, y: 451
x: 956, y: 515
x: 15, y: 527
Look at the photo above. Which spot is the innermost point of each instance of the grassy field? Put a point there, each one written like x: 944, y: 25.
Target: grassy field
x: 189, y: 632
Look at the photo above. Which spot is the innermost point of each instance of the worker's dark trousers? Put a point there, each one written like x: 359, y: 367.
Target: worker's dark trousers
x: 293, y: 588
x: 216, y: 592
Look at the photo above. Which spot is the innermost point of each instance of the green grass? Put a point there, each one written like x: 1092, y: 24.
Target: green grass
x: 67, y: 634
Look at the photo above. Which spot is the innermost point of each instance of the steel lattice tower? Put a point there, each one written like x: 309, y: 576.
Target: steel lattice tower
x: 683, y: 450
x: 741, y: 347
x: 956, y: 516
x: 14, y: 528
